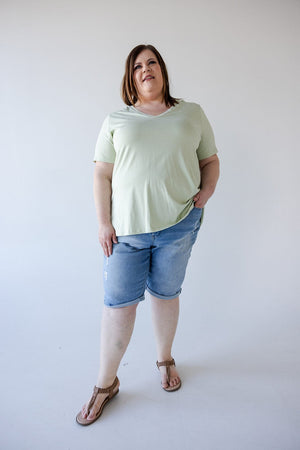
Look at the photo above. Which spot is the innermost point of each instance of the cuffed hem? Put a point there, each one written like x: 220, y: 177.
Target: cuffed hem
x: 164, y: 297
x: 121, y: 305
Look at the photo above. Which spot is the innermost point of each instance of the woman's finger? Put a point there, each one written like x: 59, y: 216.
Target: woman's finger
x: 104, y: 248
x: 109, y: 249
x: 109, y: 246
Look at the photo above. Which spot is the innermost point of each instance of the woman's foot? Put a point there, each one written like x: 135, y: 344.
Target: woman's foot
x: 97, y: 404
x: 174, y: 378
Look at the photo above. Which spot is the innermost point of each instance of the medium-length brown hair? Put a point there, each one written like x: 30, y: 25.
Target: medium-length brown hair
x: 129, y: 92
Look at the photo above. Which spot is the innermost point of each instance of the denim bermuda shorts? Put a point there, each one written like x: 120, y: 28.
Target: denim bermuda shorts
x: 154, y: 261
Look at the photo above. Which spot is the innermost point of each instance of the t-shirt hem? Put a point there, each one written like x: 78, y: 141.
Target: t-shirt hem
x: 160, y: 229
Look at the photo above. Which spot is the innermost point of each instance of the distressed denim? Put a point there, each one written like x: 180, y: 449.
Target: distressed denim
x: 155, y: 262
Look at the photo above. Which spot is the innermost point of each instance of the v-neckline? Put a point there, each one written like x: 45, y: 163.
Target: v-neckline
x: 152, y: 115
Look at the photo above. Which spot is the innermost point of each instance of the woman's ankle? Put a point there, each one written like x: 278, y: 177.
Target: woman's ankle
x: 105, y: 381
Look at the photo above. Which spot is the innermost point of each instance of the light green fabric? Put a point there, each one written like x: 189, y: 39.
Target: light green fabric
x: 156, y: 170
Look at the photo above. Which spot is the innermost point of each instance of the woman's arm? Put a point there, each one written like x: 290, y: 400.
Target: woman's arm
x: 102, y: 197
x: 210, y: 171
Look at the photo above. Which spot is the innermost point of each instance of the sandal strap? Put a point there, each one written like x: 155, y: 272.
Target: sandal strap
x: 98, y: 390
x: 166, y: 363
x: 108, y: 390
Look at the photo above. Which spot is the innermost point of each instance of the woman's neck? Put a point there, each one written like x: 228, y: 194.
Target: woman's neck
x: 151, y: 102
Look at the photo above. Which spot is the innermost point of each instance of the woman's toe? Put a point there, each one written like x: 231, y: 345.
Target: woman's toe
x: 175, y: 381
x: 84, y: 412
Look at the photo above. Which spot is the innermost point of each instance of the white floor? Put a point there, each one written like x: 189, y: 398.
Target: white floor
x: 240, y: 380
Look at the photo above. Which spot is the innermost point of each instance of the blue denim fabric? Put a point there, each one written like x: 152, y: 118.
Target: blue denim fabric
x: 154, y: 261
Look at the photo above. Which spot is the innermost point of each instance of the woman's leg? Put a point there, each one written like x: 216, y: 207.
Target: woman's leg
x: 116, y: 330
x: 165, y: 315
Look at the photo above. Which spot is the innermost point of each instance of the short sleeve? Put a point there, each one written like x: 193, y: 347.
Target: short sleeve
x: 104, y: 150
x: 207, y: 146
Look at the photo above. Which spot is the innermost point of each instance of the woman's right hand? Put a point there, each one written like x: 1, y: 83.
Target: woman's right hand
x: 107, y: 235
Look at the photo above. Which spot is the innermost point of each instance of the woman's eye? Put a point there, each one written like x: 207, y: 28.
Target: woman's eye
x: 150, y: 62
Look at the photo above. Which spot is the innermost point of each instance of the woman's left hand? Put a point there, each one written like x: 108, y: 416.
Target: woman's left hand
x: 209, y: 170
x: 201, y: 198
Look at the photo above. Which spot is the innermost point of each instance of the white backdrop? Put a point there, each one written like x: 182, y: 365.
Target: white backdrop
x: 62, y: 65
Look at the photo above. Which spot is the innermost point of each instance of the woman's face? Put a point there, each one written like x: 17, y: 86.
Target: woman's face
x: 147, y: 75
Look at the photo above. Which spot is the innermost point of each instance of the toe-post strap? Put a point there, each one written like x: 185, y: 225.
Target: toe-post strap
x: 98, y: 390
x: 167, y: 364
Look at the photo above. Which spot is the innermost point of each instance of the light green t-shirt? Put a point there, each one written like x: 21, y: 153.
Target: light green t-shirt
x: 156, y: 164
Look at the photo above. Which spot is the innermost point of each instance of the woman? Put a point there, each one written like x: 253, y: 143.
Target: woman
x: 156, y: 167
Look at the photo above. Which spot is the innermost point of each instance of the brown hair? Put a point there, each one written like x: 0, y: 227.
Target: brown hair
x: 129, y: 92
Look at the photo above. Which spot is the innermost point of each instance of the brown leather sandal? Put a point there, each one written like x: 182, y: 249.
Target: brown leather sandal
x: 97, y: 390
x: 168, y: 364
